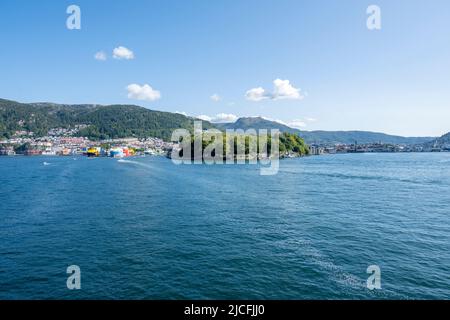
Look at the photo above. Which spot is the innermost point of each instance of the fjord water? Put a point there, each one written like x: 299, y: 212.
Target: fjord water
x: 144, y: 228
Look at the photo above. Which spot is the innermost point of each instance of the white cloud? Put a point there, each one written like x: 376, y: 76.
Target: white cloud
x: 256, y: 94
x: 311, y: 119
x: 144, y: 92
x: 280, y: 122
x: 204, y: 117
x: 122, y: 53
x: 100, y: 56
x: 283, y: 89
x: 224, y: 117
x: 297, y: 124
x: 215, y: 97
x: 182, y: 112
x: 219, y: 118
x: 265, y: 118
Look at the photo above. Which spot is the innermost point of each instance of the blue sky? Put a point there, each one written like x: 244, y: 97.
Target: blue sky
x: 393, y: 80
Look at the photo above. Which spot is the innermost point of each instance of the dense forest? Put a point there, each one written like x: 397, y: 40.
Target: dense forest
x: 99, y: 122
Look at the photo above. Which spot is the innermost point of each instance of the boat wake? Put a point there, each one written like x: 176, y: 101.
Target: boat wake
x: 137, y: 163
x: 338, y: 274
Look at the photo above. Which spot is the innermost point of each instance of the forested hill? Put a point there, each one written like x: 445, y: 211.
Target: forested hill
x: 97, y: 122
x: 439, y: 142
x: 325, y: 137
x: 121, y: 121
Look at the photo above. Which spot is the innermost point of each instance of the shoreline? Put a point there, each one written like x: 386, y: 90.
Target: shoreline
x: 235, y: 159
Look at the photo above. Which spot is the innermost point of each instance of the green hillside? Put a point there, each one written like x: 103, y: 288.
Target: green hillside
x: 102, y: 122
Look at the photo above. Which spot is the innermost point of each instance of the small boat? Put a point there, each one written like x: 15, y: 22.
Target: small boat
x: 93, y: 152
x: 116, y: 153
x: 49, y: 153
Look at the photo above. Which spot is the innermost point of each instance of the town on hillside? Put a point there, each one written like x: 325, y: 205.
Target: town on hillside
x: 378, y: 147
x: 63, y: 142
x: 61, y: 145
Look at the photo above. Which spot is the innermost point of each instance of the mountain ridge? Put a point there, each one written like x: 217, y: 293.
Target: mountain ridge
x: 325, y: 137
x: 120, y: 121
x: 443, y: 141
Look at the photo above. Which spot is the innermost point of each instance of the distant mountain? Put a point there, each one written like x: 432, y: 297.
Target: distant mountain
x: 361, y: 137
x: 325, y: 137
x: 120, y: 121
x: 256, y: 123
x: 443, y: 141
x: 101, y: 122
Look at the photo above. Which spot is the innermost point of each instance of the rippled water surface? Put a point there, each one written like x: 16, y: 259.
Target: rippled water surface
x: 146, y: 229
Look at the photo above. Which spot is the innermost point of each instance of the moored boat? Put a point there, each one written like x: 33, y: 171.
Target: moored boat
x: 93, y: 152
x: 116, y: 153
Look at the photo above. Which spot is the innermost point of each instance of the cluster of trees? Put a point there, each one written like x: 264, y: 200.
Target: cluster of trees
x: 20, y: 149
x: 291, y: 142
x: 238, y: 144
